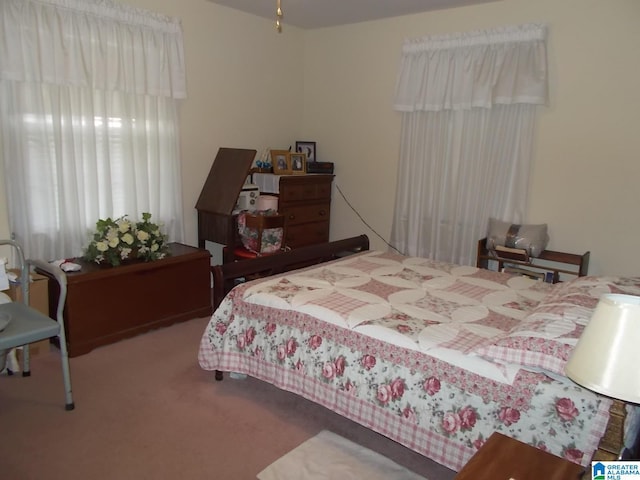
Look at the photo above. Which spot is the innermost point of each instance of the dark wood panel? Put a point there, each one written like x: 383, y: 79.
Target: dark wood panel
x: 305, y: 188
x: 225, y: 276
x: 219, y: 194
x: 297, y: 215
x: 307, y: 234
x: 503, y: 458
x: 306, y: 202
x: 226, y: 177
x: 106, y: 304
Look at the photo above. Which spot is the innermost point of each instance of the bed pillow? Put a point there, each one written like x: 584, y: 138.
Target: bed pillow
x: 532, y: 238
x: 545, y: 338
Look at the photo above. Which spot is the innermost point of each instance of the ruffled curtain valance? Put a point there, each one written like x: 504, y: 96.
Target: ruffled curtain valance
x: 476, y: 69
x: 98, y: 44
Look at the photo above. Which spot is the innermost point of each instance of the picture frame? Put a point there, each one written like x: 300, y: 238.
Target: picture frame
x: 308, y: 148
x: 281, y: 162
x: 298, y: 162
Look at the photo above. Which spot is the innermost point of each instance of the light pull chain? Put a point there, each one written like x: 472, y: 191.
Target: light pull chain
x: 278, y: 17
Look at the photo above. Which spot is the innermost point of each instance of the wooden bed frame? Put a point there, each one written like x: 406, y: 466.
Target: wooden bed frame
x: 228, y: 275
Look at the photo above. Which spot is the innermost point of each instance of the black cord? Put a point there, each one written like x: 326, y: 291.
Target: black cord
x: 364, y: 221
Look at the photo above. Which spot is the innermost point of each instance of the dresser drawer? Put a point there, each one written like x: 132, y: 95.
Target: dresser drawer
x: 304, y: 191
x: 307, y: 234
x: 306, y: 213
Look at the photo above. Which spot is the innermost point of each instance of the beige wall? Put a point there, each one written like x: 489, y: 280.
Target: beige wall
x: 587, y: 169
x: 244, y: 86
x: 250, y: 87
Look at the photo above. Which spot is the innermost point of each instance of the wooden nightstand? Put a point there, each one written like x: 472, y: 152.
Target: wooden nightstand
x: 503, y: 458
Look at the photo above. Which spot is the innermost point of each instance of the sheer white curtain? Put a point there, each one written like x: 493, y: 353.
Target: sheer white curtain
x: 468, y: 104
x: 88, y: 119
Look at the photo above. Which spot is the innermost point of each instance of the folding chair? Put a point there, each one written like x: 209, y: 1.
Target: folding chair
x: 27, y: 325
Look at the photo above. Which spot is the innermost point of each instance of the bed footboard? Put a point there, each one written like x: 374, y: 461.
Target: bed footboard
x: 226, y: 275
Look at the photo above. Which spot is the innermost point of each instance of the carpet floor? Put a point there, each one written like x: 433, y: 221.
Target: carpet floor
x: 145, y: 409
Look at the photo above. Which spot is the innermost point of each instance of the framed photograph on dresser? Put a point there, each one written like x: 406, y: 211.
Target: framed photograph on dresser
x: 281, y: 161
x: 298, y: 163
x: 308, y: 148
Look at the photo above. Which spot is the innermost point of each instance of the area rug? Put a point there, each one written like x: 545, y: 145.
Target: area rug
x: 330, y: 456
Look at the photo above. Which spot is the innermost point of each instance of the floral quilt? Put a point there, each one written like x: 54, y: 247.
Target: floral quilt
x: 389, y: 342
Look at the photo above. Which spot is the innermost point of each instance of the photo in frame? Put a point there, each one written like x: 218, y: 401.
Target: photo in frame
x: 298, y: 163
x: 281, y: 162
x: 308, y: 148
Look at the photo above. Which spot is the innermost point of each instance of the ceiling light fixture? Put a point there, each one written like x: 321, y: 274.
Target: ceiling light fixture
x: 278, y: 17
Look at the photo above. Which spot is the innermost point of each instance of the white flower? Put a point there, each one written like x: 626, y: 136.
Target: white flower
x: 128, y: 238
x: 116, y: 240
x: 124, y: 226
x: 112, y: 233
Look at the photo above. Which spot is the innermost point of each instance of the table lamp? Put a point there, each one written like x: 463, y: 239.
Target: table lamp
x: 607, y: 355
x: 606, y: 360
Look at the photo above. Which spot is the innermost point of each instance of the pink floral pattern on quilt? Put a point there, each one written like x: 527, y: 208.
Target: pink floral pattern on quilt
x: 417, y: 302
x: 546, y: 337
x: 317, y: 333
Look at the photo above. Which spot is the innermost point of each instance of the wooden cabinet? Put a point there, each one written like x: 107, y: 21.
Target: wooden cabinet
x: 304, y: 199
x: 504, y: 458
x: 555, y: 264
x: 106, y: 304
x: 306, y: 202
x: 216, y: 222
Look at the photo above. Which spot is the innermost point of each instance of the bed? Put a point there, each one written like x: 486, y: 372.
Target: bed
x: 435, y: 356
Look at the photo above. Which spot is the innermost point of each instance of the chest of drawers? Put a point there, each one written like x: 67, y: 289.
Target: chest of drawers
x: 107, y: 304
x: 306, y: 202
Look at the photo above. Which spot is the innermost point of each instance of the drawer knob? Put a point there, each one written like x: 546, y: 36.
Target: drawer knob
x: 292, y: 216
x: 322, y: 213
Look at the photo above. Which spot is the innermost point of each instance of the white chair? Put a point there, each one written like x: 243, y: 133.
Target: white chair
x: 27, y: 325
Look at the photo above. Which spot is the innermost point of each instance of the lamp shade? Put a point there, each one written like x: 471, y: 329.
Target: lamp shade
x: 607, y: 356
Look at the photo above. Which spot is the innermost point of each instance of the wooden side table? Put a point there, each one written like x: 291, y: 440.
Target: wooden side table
x: 549, y: 261
x: 503, y: 458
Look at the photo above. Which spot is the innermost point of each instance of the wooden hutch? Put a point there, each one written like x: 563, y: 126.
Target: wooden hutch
x: 304, y: 199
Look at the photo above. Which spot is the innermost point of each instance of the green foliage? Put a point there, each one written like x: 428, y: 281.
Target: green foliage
x: 115, y: 241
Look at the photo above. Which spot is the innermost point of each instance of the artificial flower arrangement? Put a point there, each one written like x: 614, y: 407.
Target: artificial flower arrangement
x: 115, y: 241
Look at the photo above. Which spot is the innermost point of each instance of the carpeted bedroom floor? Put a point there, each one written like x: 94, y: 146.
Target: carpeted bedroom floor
x: 145, y: 409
